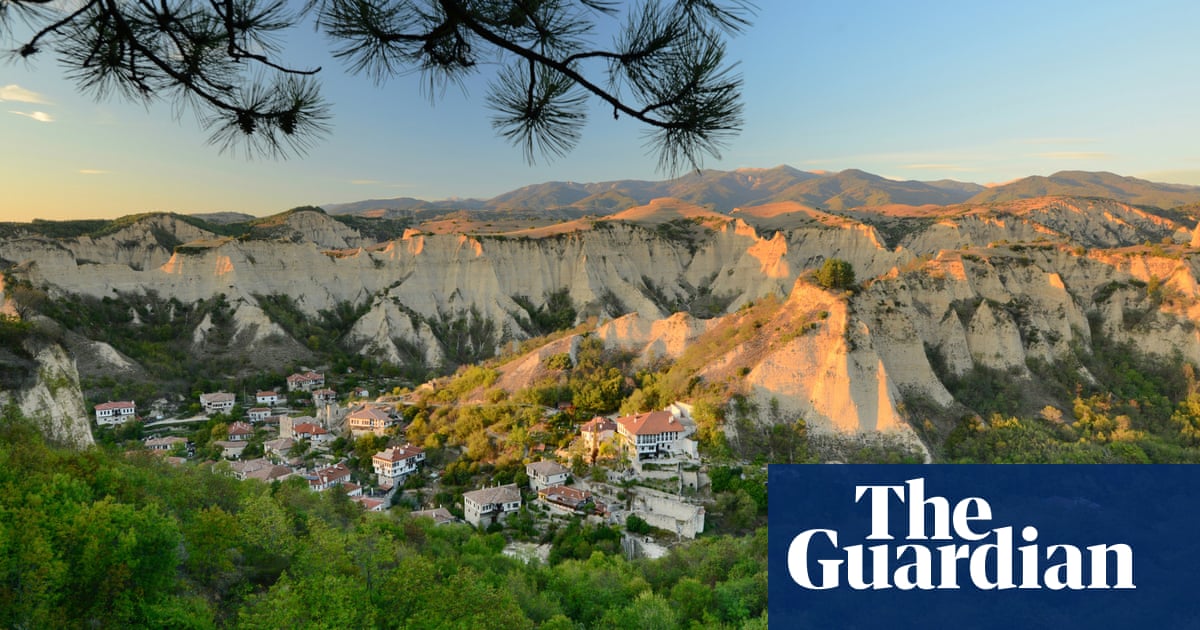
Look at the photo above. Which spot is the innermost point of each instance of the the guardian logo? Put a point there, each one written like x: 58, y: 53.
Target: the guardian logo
x: 948, y: 547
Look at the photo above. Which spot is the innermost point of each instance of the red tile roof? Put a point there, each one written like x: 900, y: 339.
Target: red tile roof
x: 650, y: 423
x: 305, y: 377
x: 598, y: 425
x: 125, y: 404
x: 398, y: 453
x: 329, y: 474
x: 368, y: 413
x: 240, y: 428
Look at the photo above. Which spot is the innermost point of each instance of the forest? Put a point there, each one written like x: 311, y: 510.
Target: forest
x: 113, y: 539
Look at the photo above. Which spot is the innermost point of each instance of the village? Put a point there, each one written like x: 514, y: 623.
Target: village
x: 641, y: 472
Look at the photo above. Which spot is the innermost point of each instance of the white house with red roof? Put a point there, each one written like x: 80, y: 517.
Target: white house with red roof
x: 651, y: 434
x: 305, y: 381
x: 328, y: 477
x: 314, y: 433
x: 268, y: 398
x: 393, y: 464
x: 112, y: 413
x: 240, y: 432
x: 258, y: 414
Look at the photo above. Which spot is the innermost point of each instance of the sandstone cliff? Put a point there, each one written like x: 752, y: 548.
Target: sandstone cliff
x: 984, y: 285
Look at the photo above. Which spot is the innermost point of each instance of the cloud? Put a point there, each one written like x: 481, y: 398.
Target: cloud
x: 1189, y: 177
x: 93, y: 171
x: 940, y: 167
x: 1060, y: 140
x: 1073, y: 155
x: 38, y: 116
x: 365, y: 182
x: 14, y: 92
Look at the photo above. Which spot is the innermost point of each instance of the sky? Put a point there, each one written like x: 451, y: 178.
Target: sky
x: 985, y: 92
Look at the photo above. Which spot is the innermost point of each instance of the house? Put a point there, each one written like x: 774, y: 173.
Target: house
x: 305, y: 382
x: 352, y: 489
x: 369, y: 504
x: 230, y: 449
x: 112, y: 413
x: 244, y: 468
x: 267, y: 398
x: 491, y: 505
x: 360, y: 392
x: 279, y: 448
x: 328, y: 477
x: 546, y: 473
x: 650, y: 434
x: 312, y: 432
x: 440, y: 516
x: 217, y: 402
x: 324, y: 397
x: 165, y: 443
x: 258, y: 414
x: 274, y: 472
x: 595, y: 432
x: 392, y: 465
x: 368, y: 419
x: 240, y: 432
x: 566, y: 500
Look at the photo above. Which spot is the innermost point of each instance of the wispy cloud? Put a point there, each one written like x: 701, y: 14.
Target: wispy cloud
x: 1073, y: 155
x: 957, y: 168
x: 38, y: 116
x: 14, y: 92
x: 1060, y: 140
x: 93, y: 171
x: 1190, y: 177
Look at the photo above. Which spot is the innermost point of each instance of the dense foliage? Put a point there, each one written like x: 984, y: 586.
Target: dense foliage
x: 1123, y: 406
x: 104, y: 539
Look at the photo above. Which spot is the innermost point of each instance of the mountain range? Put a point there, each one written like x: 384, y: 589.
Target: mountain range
x: 716, y: 271
x: 724, y: 191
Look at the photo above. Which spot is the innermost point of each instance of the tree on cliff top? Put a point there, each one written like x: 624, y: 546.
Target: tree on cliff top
x: 836, y: 274
x: 665, y: 66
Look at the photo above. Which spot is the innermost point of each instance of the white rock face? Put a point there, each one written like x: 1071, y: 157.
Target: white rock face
x: 55, y: 401
x: 999, y: 306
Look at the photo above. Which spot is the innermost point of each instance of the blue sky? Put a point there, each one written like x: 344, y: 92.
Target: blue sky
x: 975, y: 91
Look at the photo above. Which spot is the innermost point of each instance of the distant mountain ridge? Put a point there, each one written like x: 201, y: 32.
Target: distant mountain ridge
x: 1094, y: 184
x: 724, y: 191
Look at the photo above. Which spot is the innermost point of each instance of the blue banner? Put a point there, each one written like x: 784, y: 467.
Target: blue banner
x: 984, y: 546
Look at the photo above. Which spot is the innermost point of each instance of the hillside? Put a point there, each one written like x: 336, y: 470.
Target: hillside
x: 1085, y: 184
x: 725, y: 306
x: 724, y: 191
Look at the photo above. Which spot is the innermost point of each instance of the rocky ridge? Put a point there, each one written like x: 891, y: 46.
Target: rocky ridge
x: 992, y: 285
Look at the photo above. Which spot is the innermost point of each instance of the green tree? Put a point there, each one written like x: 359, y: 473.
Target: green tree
x: 666, y: 68
x: 836, y: 274
x: 120, y: 557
